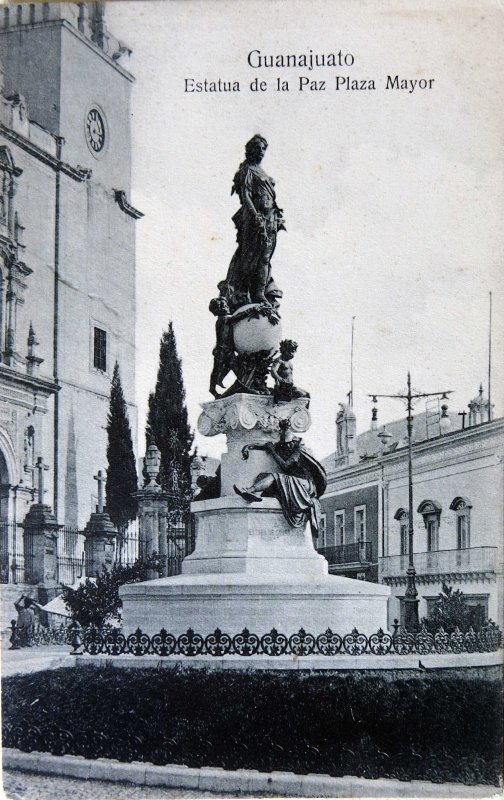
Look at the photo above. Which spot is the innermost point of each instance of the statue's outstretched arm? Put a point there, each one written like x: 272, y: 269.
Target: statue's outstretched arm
x: 247, y: 447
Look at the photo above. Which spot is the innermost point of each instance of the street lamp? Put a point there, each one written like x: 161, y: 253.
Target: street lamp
x: 411, y: 622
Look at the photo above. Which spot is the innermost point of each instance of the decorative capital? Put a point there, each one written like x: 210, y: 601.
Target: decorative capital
x: 246, y: 412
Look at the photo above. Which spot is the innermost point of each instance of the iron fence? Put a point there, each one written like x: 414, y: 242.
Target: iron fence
x: 128, y: 544
x: 114, y: 642
x: 12, y: 560
x: 180, y: 541
x: 70, y: 555
x: 38, y: 634
x: 17, y: 562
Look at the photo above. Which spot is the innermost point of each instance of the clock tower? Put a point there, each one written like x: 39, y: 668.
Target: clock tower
x: 73, y: 148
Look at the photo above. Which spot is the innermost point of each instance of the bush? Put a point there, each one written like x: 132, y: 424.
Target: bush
x: 451, y: 611
x: 97, y: 601
x: 432, y: 727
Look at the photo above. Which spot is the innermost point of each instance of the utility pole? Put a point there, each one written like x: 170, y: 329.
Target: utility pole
x: 411, y: 621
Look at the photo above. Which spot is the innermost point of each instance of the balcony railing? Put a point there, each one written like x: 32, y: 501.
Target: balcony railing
x: 351, y: 553
x: 441, y: 562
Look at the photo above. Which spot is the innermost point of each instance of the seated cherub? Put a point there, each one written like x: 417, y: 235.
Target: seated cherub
x: 282, y: 373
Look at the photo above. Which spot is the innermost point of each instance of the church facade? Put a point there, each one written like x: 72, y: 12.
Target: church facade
x: 67, y: 255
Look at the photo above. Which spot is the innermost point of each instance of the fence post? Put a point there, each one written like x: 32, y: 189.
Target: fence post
x: 101, y: 537
x: 76, y: 638
x: 152, y: 511
x: 40, y: 539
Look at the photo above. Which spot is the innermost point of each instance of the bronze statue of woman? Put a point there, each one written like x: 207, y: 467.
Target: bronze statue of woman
x: 257, y: 221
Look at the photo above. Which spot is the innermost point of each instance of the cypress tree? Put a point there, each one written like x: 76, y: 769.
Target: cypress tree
x: 121, y: 473
x: 168, y: 426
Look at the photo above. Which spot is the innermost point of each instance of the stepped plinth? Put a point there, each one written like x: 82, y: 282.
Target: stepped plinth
x: 250, y: 568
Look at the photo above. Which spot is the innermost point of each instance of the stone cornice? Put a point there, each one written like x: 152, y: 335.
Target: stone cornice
x: 63, y: 23
x: 76, y: 173
x: 428, y: 462
x: 27, y: 382
x: 456, y: 438
x: 470, y: 576
x: 122, y: 202
x: 368, y: 472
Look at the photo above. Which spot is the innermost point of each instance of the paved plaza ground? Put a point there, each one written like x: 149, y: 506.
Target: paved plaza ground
x: 34, y: 659
x: 27, y: 786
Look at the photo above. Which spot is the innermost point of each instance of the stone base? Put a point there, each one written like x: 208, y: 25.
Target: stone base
x: 250, y: 569
x: 233, y: 602
x: 250, y: 538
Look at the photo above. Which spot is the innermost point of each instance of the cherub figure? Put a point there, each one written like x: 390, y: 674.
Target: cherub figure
x: 223, y: 351
x: 282, y: 373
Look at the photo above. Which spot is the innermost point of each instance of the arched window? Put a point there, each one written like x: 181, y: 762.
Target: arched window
x: 403, y: 517
x: 431, y: 513
x: 462, y: 507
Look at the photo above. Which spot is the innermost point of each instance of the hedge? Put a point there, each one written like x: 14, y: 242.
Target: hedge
x: 428, y: 728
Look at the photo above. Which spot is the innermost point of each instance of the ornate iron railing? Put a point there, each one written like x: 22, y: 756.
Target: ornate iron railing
x: 40, y: 635
x: 350, y: 553
x: 114, y: 642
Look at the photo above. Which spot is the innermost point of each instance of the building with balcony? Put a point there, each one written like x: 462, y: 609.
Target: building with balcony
x: 458, y: 495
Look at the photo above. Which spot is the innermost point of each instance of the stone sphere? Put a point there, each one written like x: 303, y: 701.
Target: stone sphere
x: 253, y: 334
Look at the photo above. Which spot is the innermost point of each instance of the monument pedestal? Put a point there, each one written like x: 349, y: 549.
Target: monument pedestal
x: 250, y: 568
x: 249, y: 572
x: 233, y: 536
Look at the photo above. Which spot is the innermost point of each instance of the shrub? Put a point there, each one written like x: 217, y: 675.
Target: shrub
x: 97, y: 601
x: 451, y: 611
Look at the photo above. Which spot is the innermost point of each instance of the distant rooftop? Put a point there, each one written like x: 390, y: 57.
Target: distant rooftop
x: 368, y: 444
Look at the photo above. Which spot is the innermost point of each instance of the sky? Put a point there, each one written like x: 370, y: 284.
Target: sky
x: 392, y: 197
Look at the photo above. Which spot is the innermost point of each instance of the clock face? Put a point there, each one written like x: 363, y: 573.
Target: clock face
x: 95, y: 130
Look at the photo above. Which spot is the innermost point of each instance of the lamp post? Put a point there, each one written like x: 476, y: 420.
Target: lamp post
x: 411, y: 622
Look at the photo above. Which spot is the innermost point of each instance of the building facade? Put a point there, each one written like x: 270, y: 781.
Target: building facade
x: 458, y: 496
x: 67, y: 253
